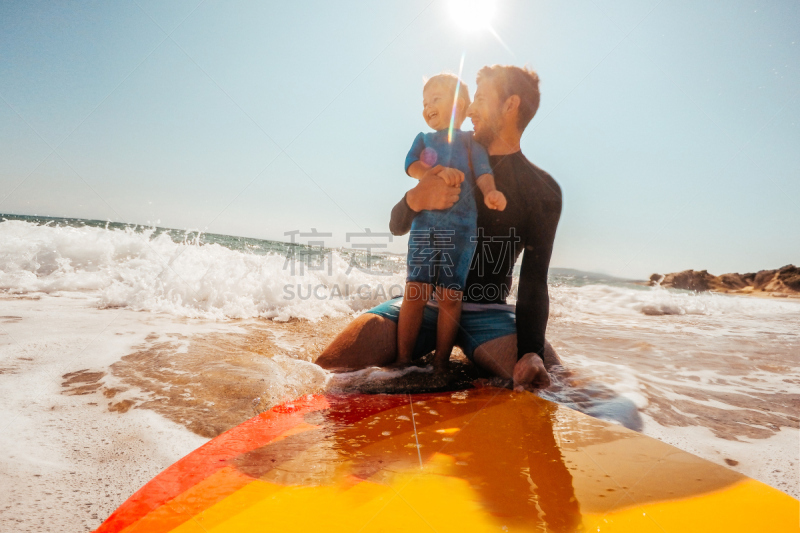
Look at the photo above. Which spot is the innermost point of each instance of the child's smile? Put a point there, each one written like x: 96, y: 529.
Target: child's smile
x: 437, y: 106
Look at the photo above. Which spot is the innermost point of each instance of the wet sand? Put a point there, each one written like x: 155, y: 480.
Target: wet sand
x: 97, y: 402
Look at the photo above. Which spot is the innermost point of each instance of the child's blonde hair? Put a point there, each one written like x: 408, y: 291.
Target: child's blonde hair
x: 450, y: 81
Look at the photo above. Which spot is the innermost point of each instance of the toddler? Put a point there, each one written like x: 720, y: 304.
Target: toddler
x: 442, y: 242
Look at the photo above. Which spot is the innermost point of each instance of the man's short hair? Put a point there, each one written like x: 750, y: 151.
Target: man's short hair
x: 510, y: 80
x: 450, y: 81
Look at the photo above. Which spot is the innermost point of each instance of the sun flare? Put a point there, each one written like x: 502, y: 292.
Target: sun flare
x: 472, y: 15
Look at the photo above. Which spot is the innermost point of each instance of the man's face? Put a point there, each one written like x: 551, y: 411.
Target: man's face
x: 485, y: 113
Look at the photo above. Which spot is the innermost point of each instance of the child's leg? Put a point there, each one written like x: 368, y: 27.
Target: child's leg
x: 446, y: 326
x: 410, y: 320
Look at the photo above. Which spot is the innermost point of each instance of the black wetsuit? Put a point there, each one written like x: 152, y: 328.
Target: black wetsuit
x: 528, y: 223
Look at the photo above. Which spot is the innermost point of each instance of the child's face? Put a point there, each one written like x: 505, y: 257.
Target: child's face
x: 437, y: 106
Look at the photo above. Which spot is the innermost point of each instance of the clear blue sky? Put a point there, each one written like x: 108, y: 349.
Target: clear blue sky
x: 673, y: 127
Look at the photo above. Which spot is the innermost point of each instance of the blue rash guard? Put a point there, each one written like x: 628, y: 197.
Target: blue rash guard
x: 442, y: 242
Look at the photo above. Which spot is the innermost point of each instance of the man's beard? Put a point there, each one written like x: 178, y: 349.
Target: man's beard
x: 488, y: 132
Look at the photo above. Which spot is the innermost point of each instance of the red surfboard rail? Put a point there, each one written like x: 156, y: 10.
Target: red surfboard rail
x: 210, y: 457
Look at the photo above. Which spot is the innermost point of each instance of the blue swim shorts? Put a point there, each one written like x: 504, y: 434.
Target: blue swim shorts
x: 476, y: 326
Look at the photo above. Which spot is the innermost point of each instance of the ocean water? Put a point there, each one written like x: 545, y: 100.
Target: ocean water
x: 189, y: 274
x: 717, y: 375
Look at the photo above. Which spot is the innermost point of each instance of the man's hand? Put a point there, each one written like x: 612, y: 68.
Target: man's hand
x: 495, y: 200
x: 432, y: 192
x: 529, y: 373
x: 451, y: 176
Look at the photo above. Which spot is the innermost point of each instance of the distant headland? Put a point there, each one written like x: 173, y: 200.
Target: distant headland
x: 781, y: 283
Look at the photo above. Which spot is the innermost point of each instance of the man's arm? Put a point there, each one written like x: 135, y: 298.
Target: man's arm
x: 432, y: 192
x: 533, y: 309
x: 402, y: 216
x: 533, y: 300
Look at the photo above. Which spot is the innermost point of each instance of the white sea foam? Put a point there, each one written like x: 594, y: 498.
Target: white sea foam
x: 654, y: 301
x: 145, y: 271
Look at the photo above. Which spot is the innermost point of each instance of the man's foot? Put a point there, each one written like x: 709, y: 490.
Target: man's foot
x: 529, y: 373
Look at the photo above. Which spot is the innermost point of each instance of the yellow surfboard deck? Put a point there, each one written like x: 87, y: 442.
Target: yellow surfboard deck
x: 479, y: 460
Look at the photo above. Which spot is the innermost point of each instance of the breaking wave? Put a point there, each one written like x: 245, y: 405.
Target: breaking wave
x: 151, y: 269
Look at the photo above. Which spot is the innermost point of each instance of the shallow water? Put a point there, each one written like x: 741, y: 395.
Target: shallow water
x: 727, y: 363
x: 660, y: 361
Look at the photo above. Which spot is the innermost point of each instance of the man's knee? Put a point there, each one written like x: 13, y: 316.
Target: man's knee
x: 500, y: 355
x: 497, y: 356
x: 369, y: 340
x: 550, y: 357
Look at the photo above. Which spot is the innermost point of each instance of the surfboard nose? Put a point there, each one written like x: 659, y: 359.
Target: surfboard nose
x: 478, y: 460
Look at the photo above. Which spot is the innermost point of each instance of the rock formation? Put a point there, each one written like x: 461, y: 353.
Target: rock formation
x: 781, y: 282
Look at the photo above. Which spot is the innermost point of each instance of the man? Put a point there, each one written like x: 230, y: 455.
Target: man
x: 507, y: 341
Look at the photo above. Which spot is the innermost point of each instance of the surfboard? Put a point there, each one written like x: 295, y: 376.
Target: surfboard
x: 484, y: 459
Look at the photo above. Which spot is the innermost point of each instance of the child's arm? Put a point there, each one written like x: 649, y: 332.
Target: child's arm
x: 482, y: 168
x: 417, y: 169
x: 451, y: 176
x: 414, y: 165
x: 493, y: 198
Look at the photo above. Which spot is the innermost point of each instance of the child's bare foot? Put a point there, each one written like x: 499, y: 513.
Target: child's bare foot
x: 439, y: 378
x: 441, y: 367
x: 398, y: 364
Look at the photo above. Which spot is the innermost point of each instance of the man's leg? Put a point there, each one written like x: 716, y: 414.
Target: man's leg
x: 499, y: 356
x: 369, y: 340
